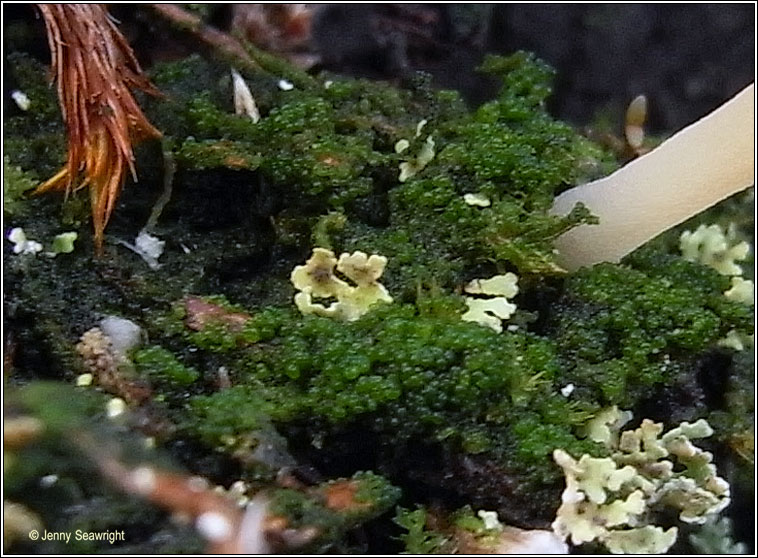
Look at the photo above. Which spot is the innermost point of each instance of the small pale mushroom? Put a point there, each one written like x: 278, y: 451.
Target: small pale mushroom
x: 696, y: 168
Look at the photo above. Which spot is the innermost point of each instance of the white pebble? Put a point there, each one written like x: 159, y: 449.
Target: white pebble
x: 115, y: 407
x: 285, y: 85
x: 124, y: 334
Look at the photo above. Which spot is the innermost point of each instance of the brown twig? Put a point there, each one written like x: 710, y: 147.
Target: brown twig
x: 220, y: 42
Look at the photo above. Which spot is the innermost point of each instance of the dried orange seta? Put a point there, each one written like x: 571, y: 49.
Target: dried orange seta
x: 95, y: 71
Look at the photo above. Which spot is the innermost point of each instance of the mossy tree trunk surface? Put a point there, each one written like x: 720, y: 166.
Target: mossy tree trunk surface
x: 344, y: 425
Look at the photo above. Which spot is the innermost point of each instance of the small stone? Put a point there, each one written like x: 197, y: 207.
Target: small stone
x: 115, y: 407
x: 84, y: 380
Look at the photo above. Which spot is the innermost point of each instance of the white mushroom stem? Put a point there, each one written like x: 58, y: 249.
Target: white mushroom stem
x: 694, y: 169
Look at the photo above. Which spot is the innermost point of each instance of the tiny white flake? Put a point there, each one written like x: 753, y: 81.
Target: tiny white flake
x: 567, y: 390
x: 149, y: 245
x: 143, y: 479
x: 48, y: 480
x: 244, y: 103
x: 478, y: 200
x: 214, y: 526
x: 285, y: 85
x: 22, y: 101
x: 197, y: 484
x: 21, y: 244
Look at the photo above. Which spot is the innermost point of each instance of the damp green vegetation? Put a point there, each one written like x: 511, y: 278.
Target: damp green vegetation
x: 435, y: 410
x: 417, y: 538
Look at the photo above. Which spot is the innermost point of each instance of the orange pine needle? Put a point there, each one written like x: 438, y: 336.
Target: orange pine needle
x: 95, y: 70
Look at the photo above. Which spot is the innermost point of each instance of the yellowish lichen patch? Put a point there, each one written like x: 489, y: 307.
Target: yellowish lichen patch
x: 491, y: 311
x: 317, y: 279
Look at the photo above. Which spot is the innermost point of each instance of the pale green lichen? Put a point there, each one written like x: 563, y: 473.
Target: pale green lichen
x: 410, y: 168
x: 64, y: 243
x: 490, y: 519
x: 742, y: 291
x: 495, y: 309
x: 737, y: 341
x: 402, y: 145
x: 711, y: 246
x: 317, y: 279
x: 645, y: 540
x: 478, y: 200
x: 613, y: 499
x: 605, y: 426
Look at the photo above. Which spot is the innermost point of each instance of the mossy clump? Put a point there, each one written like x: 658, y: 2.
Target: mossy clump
x: 34, y: 140
x: 16, y: 183
x: 334, y: 507
x: 621, y: 331
x: 447, y: 410
x: 158, y: 363
x: 402, y: 373
x: 335, y: 151
x: 418, y: 539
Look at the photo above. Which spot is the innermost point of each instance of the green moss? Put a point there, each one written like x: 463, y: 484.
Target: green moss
x: 34, y: 140
x: 200, y: 155
x: 363, y: 497
x: 374, y: 495
x: 158, y: 363
x: 16, y: 183
x: 250, y: 201
x: 222, y: 417
x: 334, y: 149
x: 411, y: 374
x: 418, y: 539
x: 622, y: 330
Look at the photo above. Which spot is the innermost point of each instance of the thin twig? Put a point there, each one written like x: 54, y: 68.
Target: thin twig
x: 169, y: 169
x: 220, y: 42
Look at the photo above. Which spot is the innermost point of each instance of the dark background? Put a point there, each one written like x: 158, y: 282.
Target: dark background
x: 687, y: 58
